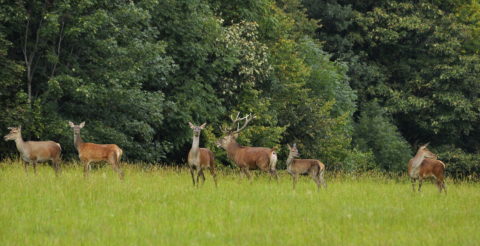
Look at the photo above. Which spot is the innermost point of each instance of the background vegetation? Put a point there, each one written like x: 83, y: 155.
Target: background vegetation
x: 357, y: 84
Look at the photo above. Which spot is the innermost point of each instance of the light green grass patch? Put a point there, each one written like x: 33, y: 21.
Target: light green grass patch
x: 160, y: 206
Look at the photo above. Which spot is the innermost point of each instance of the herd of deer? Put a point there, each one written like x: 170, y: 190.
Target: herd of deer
x: 423, y: 165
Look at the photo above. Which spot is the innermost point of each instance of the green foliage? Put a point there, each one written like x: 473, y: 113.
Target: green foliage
x: 137, y: 72
x: 374, y: 132
x: 459, y: 164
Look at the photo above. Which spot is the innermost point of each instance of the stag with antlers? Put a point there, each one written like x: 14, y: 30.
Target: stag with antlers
x: 247, y: 158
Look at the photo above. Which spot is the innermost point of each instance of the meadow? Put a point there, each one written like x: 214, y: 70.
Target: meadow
x: 159, y: 206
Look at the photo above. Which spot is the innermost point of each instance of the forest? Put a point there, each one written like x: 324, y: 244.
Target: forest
x: 359, y: 85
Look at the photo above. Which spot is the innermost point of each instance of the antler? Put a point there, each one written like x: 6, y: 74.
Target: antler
x: 247, y: 119
x: 235, y: 123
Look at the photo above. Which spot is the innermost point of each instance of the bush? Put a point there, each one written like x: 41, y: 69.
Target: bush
x: 374, y: 132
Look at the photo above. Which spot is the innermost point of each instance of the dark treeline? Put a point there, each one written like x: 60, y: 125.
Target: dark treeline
x: 357, y: 84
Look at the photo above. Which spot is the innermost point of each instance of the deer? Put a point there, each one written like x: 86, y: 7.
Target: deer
x: 35, y: 151
x: 312, y: 167
x: 424, y: 165
x: 247, y: 158
x: 200, y: 158
x: 91, y: 152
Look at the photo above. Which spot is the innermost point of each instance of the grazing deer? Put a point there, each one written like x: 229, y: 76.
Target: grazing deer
x: 425, y: 164
x: 313, y: 167
x: 247, y: 158
x: 90, y: 152
x: 200, y: 158
x: 35, y: 151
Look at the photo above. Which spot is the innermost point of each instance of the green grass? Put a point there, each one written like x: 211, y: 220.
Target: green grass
x: 159, y: 206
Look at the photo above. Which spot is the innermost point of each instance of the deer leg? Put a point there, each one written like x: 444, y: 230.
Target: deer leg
x: 120, y: 172
x: 322, y: 179
x: 34, y: 162
x: 86, y: 167
x: 295, y: 179
x: 274, y: 174
x: 116, y: 166
x: 413, y: 184
x: 198, y: 177
x: 420, y: 181
x: 214, y: 175
x: 314, y: 176
x: 245, y: 171
x: 25, y: 166
x: 56, y: 166
x: 202, y: 176
x: 441, y: 185
x: 192, y: 172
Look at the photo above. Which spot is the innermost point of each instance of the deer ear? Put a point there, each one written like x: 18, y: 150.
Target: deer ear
x: 191, y: 125
x: 20, y: 127
x: 71, y: 124
x: 235, y: 135
x: 288, y: 145
x: 294, y: 145
x: 203, y: 125
x: 82, y: 124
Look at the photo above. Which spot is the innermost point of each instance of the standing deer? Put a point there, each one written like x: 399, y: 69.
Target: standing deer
x: 200, y: 158
x: 421, y: 166
x: 247, y: 158
x: 90, y: 152
x: 313, y: 167
x: 35, y: 151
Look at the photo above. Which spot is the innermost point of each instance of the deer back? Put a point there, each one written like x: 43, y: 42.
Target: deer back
x: 305, y: 165
x: 99, y: 152
x: 43, y: 150
x: 432, y: 167
x: 253, y: 157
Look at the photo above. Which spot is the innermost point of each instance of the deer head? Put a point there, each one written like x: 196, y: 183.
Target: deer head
x: 230, y: 132
x: 15, y: 132
x: 425, y: 152
x: 76, y: 128
x: 197, y: 129
x: 293, y: 150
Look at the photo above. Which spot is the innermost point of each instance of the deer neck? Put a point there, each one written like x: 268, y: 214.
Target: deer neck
x: 21, y: 146
x: 289, y: 159
x: 232, y: 148
x: 77, y: 141
x: 195, y: 144
x: 417, y: 160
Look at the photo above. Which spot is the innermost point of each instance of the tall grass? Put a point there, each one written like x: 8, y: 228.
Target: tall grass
x: 159, y: 206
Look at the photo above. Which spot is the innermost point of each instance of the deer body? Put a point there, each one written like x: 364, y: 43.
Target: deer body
x: 422, y: 166
x: 252, y: 157
x: 248, y: 158
x: 312, y: 167
x: 36, y: 151
x: 200, y: 158
x: 91, y: 152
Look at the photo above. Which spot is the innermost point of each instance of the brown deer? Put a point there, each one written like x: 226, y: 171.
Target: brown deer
x: 247, y: 158
x: 35, y: 151
x: 200, y: 158
x: 312, y: 167
x: 90, y: 152
x: 425, y: 164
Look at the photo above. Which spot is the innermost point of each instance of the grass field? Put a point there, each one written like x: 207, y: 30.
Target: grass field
x: 159, y: 206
